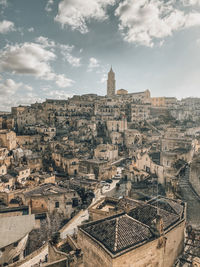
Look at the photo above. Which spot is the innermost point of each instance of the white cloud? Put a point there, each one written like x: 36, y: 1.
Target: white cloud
x: 6, y: 26
x: 28, y: 88
x: 190, y: 2
x: 62, y: 81
x: 93, y: 63
x: 4, y: 3
x: 74, y: 61
x: 103, y: 78
x: 48, y: 6
x: 9, y: 87
x: 45, y: 41
x: 59, y: 94
x: 26, y: 58
x: 31, y: 29
x: 143, y: 21
x: 65, y: 50
x: 76, y: 13
x: 31, y: 59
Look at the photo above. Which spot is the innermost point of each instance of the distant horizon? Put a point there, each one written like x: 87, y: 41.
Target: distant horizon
x: 8, y: 111
x: 66, y: 48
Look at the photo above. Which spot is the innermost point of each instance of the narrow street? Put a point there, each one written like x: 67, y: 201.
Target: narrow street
x: 83, y: 215
x: 193, y: 201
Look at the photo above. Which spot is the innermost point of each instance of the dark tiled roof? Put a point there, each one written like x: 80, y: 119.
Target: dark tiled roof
x: 119, y: 232
x: 147, y: 213
x: 169, y: 205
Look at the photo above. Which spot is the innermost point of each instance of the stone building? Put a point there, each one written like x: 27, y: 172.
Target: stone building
x: 3, y: 169
x: 144, y: 162
x: 117, y: 125
x: 106, y: 152
x: 122, y: 92
x: 164, y: 102
x: 8, y: 139
x: 138, y: 112
x: 66, y: 163
x: 51, y: 198
x: 14, y: 235
x: 150, y: 234
x: 22, y: 173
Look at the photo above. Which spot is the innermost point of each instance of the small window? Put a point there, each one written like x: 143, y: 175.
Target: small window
x: 56, y: 204
x: 16, y: 258
x: 15, y: 244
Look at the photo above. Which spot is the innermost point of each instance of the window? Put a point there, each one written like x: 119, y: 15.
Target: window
x: 15, y: 244
x: 16, y: 258
x: 56, y: 204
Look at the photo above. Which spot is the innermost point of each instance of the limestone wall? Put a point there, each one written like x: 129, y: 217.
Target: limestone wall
x: 195, y: 175
x: 161, y: 252
x: 93, y: 254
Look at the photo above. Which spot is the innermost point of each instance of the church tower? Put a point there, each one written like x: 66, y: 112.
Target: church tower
x: 111, y: 83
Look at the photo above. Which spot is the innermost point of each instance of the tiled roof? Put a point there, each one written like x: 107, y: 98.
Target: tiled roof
x: 119, y: 232
x: 136, y: 225
x: 146, y: 214
x: 167, y: 204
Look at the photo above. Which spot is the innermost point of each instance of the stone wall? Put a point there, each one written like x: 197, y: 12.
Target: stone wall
x: 161, y: 252
x: 93, y: 253
x: 195, y: 175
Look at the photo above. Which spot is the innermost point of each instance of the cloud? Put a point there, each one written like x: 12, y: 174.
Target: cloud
x: 4, y: 3
x: 45, y: 41
x: 74, y: 61
x: 190, y: 2
x: 31, y: 29
x: 13, y: 94
x: 144, y: 21
x: 77, y: 13
x: 65, y: 50
x: 48, y: 6
x: 103, y: 78
x: 26, y: 58
x: 31, y: 59
x: 9, y: 87
x: 93, y: 63
x: 6, y: 26
x: 59, y: 94
x: 62, y: 81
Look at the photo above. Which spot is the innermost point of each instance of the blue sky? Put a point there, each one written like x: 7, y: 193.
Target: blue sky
x: 57, y: 48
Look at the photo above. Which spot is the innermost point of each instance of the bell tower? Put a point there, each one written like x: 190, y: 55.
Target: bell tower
x: 111, y: 83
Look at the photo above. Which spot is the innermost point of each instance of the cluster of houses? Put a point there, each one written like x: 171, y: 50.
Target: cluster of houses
x: 51, y: 151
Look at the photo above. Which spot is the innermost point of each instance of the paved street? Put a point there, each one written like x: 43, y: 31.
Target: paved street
x: 193, y: 202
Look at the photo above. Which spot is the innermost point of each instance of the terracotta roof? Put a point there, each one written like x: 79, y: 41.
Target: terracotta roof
x: 118, y: 232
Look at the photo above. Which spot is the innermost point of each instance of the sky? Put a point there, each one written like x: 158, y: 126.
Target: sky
x: 58, y: 48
